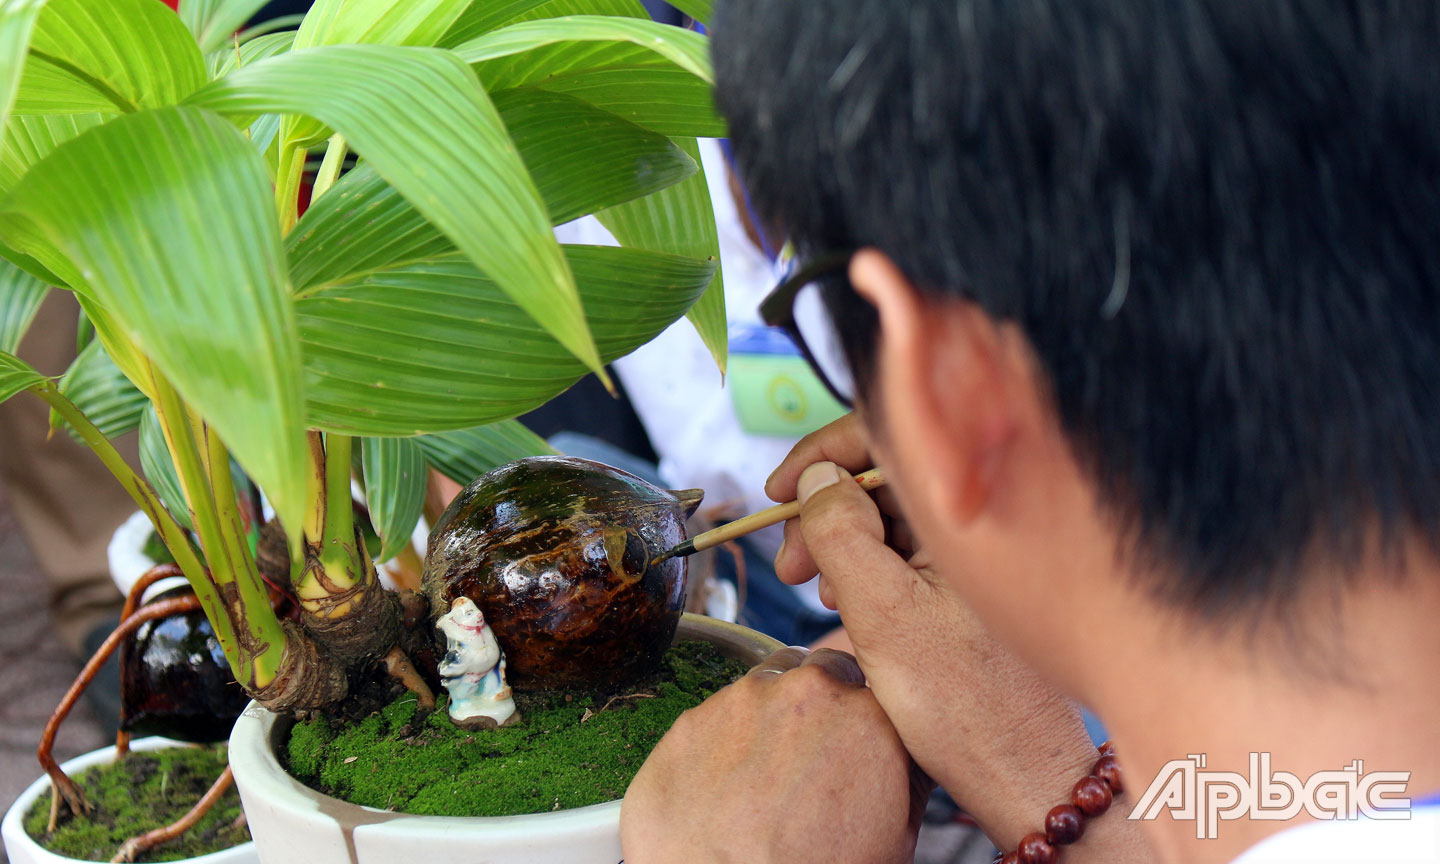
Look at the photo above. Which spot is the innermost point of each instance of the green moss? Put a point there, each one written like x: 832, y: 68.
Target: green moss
x: 570, y: 751
x: 145, y: 790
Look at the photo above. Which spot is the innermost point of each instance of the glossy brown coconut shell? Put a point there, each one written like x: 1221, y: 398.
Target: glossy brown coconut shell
x: 175, y: 681
x: 556, y: 553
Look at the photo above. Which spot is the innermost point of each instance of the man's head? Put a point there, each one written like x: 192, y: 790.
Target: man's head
x: 1196, y: 239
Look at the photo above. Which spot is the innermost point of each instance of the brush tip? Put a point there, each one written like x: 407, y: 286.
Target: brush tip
x: 686, y: 548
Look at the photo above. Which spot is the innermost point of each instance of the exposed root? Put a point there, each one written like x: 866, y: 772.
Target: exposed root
x: 150, y: 577
x: 65, y: 788
x: 135, y: 846
x: 398, y: 665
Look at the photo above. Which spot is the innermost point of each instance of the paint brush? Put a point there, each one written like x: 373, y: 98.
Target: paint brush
x: 872, y: 479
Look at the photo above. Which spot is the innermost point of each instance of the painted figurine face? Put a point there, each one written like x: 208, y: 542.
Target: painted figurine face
x: 465, y: 621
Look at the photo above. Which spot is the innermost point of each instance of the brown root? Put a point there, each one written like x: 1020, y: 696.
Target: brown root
x: 65, y: 788
x: 135, y: 846
x: 309, y: 677
x: 399, y: 667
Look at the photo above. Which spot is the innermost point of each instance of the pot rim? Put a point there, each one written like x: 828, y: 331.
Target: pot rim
x: 19, y: 842
x: 258, y: 733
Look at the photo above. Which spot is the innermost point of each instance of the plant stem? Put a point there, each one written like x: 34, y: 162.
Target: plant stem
x: 288, y: 177
x: 330, y: 525
x: 259, y: 639
x: 329, y: 167
x: 250, y: 587
x: 174, y: 537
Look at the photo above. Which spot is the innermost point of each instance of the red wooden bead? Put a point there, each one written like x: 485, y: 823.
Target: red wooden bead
x: 1092, y: 796
x: 1107, y: 749
x: 1011, y: 858
x: 1064, y: 824
x: 1108, y: 769
x: 1034, y: 850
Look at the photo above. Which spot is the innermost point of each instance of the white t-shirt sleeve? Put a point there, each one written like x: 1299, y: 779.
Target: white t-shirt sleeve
x: 1354, y: 841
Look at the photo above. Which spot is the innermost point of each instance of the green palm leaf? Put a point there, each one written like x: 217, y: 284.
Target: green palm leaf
x: 680, y: 220
x: 184, y: 256
x: 20, y: 298
x: 481, y: 18
x: 30, y: 138
x: 464, y: 454
x: 160, y: 470
x: 419, y: 117
x: 367, y: 22
x: 16, y: 375
x: 394, y: 490
x: 17, y: 24
x: 108, y: 55
x: 581, y: 158
x: 653, y: 75
x: 435, y: 345
x: 214, y: 22
x: 378, y: 22
x: 102, y: 393
x: 223, y: 62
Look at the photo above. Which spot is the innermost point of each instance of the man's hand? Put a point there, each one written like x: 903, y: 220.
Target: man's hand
x: 1006, y: 745
x: 793, y: 763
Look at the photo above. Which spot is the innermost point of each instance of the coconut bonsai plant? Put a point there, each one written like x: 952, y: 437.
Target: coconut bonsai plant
x: 153, y: 165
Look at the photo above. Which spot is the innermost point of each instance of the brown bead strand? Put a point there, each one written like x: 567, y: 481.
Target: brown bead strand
x: 1065, y: 823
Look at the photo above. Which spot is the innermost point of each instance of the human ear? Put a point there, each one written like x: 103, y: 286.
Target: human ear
x: 941, y: 403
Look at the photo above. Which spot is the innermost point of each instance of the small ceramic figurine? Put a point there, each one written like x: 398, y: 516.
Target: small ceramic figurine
x: 474, y: 669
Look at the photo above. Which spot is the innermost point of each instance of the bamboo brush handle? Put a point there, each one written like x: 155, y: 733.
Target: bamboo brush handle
x: 872, y: 479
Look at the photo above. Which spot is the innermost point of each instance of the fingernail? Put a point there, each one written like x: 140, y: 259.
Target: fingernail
x: 780, y: 553
x: 817, y: 477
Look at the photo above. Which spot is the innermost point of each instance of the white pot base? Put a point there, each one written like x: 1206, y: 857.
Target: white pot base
x: 22, y: 849
x: 293, y: 823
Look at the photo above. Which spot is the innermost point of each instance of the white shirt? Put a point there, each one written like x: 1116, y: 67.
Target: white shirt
x: 1354, y: 841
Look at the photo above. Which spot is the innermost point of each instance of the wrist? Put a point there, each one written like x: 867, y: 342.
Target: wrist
x: 1066, y: 823
x: 1020, y: 802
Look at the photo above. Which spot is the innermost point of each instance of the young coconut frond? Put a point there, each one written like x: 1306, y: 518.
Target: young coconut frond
x: 153, y: 164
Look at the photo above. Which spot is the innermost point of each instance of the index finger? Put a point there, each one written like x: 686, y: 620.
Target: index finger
x: 843, y: 442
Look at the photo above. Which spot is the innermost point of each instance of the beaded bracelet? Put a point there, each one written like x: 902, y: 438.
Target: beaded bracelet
x: 1065, y: 823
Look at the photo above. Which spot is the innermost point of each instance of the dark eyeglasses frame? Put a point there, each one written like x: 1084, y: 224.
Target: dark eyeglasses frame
x: 778, y: 310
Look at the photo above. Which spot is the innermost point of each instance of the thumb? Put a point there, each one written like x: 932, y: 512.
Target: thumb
x: 845, y: 536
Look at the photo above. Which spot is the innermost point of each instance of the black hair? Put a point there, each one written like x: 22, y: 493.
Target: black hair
x: 1216, y: 222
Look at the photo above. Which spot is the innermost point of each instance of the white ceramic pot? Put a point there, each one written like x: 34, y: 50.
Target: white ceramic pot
x: 293, y: 823
x: 24, y: 850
